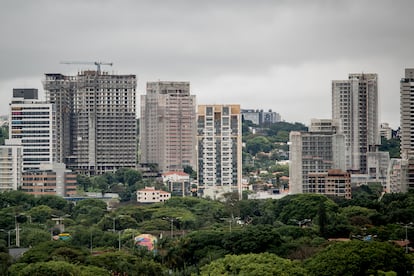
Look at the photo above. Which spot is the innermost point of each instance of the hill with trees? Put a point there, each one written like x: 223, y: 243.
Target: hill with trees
x: 205, y: 237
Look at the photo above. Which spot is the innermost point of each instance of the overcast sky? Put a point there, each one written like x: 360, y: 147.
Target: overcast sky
x: 279, y: 55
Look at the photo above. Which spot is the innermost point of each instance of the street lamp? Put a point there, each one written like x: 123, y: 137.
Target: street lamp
x: 302, y: 222
x: 8, y: 235
x: 406, y: 236
x: 172, y: 223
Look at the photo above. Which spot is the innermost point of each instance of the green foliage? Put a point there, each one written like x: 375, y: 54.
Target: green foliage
x: 43, y: 252
x: 33, y: 236
x: 392, y: 146
x: 16, y: 198
x: 121, y: 263
x: 253, y: 239
x: 4, y: 134
x: 5, y: 262
x: 40, y: 213
x: 89, y: 211
x: 60, y: 268
x: 358, y: 258
x: 258, y: 144
x: 253, y: 264
x: 54, y: 202
x: 302, y: 206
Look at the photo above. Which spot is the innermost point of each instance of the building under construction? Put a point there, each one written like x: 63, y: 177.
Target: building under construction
x: 96, y: 120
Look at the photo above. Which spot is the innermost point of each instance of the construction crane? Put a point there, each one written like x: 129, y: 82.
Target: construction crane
x: 97, y: 63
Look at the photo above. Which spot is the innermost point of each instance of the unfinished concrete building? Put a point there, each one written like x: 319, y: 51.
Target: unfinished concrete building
x: 96, y: 112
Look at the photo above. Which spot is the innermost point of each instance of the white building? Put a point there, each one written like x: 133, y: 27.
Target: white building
x: 396, y: 176
x: 167, y: 126
x: 150, y: 195
x: 317, y: 151
x: 355, y: 105
x: 11, y: 162
x: 386, y: 131
x: 219, y: 150
x: 178, y: 183
x: 32, y: 121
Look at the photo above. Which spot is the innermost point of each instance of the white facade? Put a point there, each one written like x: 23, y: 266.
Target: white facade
x: 219, y: 150
x: 355, y: 105
x: 11, y: 162
x: 178, y: 183
x: 32, y: 121
x: 396, y: 176
x: 385, y: 131
x: 150, y: 195
x: 167, y: 126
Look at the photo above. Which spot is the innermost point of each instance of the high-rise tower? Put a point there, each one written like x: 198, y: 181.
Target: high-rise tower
x: 32, y: 121
x: 167, y: 125
x: 355, y: 105
x: 219, y: 158
x: 97, y: 111
x: 407, y: 127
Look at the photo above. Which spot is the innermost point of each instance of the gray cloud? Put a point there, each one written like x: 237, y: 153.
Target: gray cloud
x: 257, y: 53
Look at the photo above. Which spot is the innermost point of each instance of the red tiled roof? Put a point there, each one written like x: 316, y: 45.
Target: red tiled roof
x: 177, y: 173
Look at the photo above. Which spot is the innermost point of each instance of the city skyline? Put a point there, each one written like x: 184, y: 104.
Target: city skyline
x: 279, y: 55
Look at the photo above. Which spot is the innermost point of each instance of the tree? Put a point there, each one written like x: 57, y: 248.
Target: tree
x: 60, y: 268
x: 4, y: 134
x: 258, y: 144
x: 40, y: 213
x: 54, y: 202
x: 252, y: 264
x: 322, y: 219
x: 253, y: 239
x: 359, y: 258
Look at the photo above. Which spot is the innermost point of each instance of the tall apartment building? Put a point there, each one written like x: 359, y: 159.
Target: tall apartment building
x: 167, y: 126
x: 355, y: 105
x: 32, y: 121
x: 60, y: 91
x: 317, y: 151
x: 219, y: 149
x: 407, y: 125
x: 96, y: 115
x: 11, y: 165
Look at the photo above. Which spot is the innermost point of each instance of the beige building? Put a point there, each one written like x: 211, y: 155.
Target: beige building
x: 332, y: 182
x: 317, y: 151
x: 150, y: 195
x: 407, y: 126
x: 167, y: 126
x: 11, y: 161
x: 219, y: 136
x: 50, y: 179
